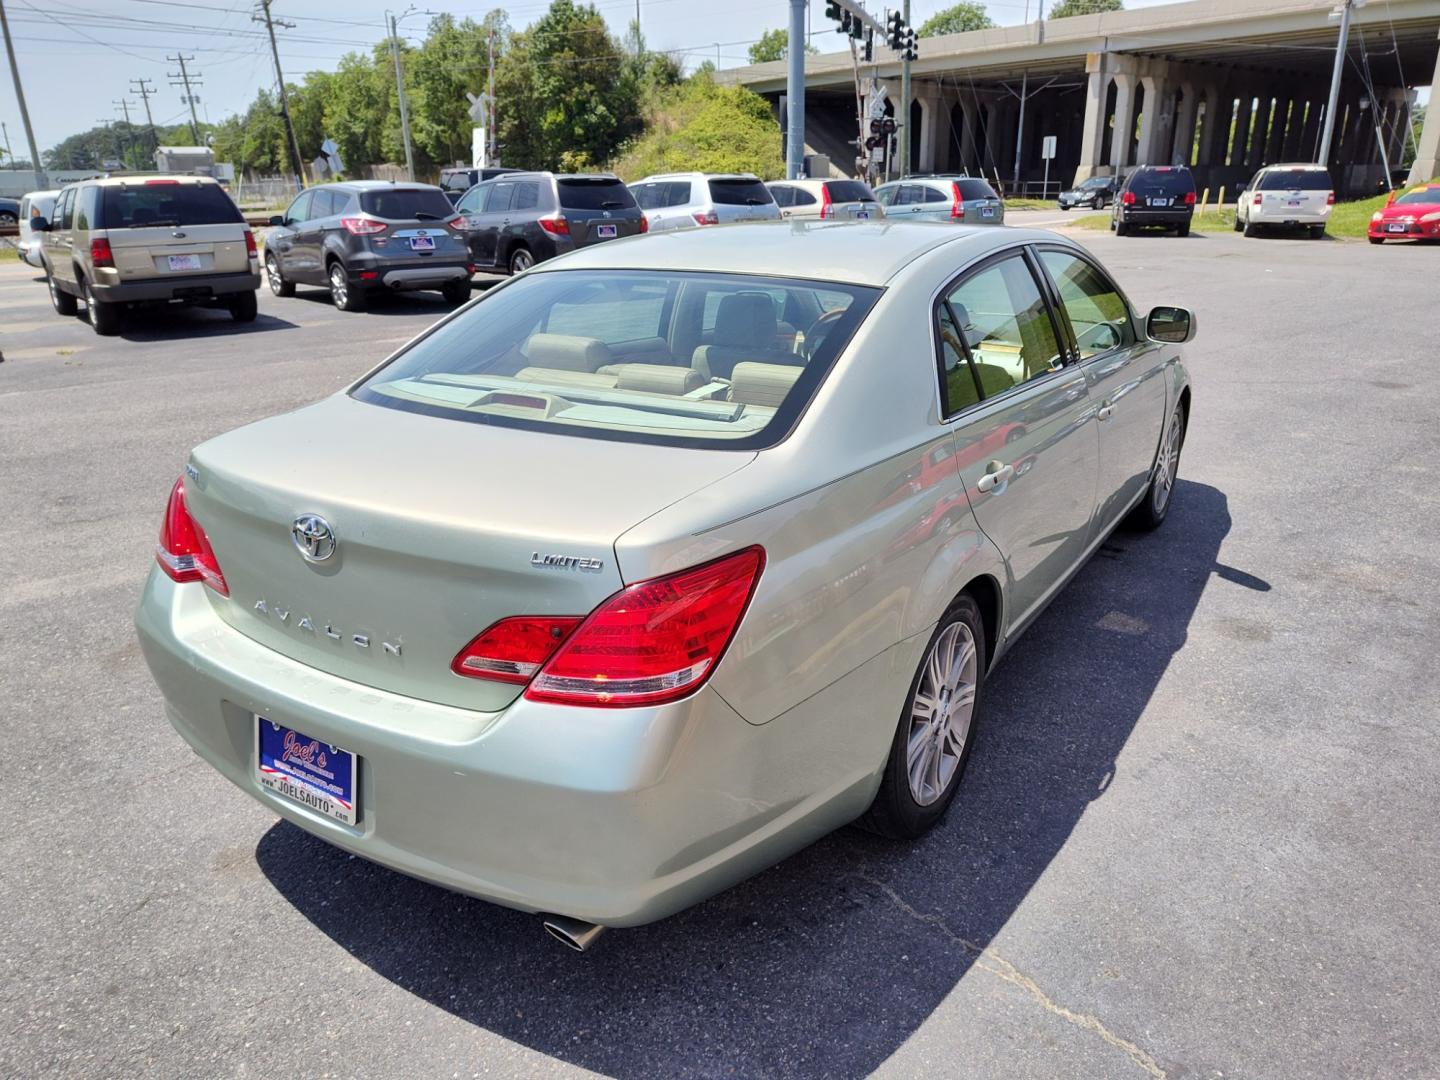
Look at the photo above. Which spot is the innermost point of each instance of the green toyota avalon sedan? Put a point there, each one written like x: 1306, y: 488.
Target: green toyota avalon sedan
x: 659, y: 561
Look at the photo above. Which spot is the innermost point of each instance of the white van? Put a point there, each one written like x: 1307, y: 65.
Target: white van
x: 36, y: 204
x: 1286, y: 197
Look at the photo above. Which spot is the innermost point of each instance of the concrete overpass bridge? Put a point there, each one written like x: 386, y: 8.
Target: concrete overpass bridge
x: 1223, y: 86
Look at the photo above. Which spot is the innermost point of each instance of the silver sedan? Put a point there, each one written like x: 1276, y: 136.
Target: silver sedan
x: 661, y: 560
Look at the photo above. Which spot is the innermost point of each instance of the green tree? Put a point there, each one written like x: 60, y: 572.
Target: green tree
x: 774, y: 45
x: 1066, y: 8
x: 701, y: 126
x: 956, y: 20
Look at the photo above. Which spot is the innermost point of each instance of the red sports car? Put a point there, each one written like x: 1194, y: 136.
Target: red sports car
x: 1410, y: 215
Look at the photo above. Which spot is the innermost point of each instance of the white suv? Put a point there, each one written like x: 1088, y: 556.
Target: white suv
x: 1286, y: 197
x: 688, y: 200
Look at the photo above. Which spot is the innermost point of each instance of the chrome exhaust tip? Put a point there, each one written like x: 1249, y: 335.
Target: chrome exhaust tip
x: 575, y: 934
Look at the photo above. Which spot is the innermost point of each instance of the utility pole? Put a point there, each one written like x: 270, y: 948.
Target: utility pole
x: 182, y: 78
x: 903, y: 105
x: 490, y: 119
x: 795, y: 94
x: 35, y: 164
x: 292, y: 146
x: 400, y: 89
x: 145, y: 91
x: 5, y: 133
x: 1323, y: 157
x: 129, y: 131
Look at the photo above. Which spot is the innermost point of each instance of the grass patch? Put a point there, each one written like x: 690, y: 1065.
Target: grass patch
x: 1030, y: 204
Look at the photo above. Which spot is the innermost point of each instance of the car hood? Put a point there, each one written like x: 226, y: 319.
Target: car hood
x: 1408, y: 211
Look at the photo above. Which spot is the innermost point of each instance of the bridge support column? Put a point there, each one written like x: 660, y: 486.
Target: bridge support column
x: 1215, y: 136
x: 1275, y: 148
x: 1400, y: 104
x: 930, y: 131
x: 1092, y: 135
x: 1156, y: 122
x: 1242, y: 130
x: 1427, y: 158
x: 1295, y: 128
x: 1124, y: 126
x: 1309, y: 137
x: 967, y: 136
x: 1185, y: 115
x: 1255, y: 154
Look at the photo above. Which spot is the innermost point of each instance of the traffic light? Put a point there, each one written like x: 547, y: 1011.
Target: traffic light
x: 911, y: 51
x: 832, y: 10
x: 895, y: 30
x: 857, y: 28
x: 846, y: 21
x: 869, y: 45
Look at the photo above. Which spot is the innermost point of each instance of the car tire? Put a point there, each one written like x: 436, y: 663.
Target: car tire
x: 8, y: 219
x: 1183, y: 230
x: 1372, y: 239
x: 104, y: 318
x: 278, y: 285
x: 346, y: 297
x: 456, y: 292
x: 244, y: 307
x: 932, y: 745
x: 1239, y: 225
x: 1155, y: 506
x: 1121, y: 229
x: 1064, y: 208
x: 63, y: 301
x: 1251, y: 229
x: 1317, y: 232
x: 521, y: 260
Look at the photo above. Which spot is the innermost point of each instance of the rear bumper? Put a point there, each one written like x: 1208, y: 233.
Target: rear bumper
x: 1132, y: 216
x: 616, y: 816
x: 1274, y: 219
x: 189, y: 287
x: 425, y: 277
x: 408, y: 273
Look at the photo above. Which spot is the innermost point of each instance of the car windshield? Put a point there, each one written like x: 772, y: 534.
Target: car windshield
x: 1295, y: 180
x: 599, y: 194
x: 152, y: 204
x: 740, y: 192
x: 1420, y: 195
x: 677, y: 358
x: 1095, y: 182
x: 406, y: 204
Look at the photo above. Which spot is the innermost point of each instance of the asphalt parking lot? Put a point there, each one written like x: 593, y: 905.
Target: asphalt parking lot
x: 1197, y: 839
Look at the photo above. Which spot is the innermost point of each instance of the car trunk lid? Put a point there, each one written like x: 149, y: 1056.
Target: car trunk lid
x: 441, y: 528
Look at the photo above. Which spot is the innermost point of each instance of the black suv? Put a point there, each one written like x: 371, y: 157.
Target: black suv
x: 367, y: 236
x: 455, y: 182
x: 1155, y: 195
x: 519, y: 219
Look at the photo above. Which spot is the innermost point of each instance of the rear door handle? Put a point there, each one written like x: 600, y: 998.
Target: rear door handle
x: 996, y: 476
x: 1105, y: 413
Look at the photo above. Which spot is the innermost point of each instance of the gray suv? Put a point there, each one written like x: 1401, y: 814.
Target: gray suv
x: 688, y: 200
x: 962, y: 200
x: 519, y: 219
x: 369, y: 236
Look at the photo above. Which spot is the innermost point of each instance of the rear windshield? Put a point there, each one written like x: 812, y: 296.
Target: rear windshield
x: 146, y: 205
x: 1295, y: 179
x: 975, y: 189
x: 595, y: 195
x: 406, y: 204
x: 676, y: 358
x: 1161, y: 181
x: 740, y: 193
x: 849, y: 191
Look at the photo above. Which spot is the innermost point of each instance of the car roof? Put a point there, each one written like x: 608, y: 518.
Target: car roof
x: 141, y: 179
x: 702, y: 175
x: 860, y: 253
x: 1294, y: 165
x: 375, y: 185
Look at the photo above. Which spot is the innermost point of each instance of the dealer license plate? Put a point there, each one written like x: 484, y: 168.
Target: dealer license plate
x: 606, y: 232
x: 308, y: 771
x: 422, y: 243
x: 987, y: 211
x: 1159, y: 202
x: 184, y: 262
x: 862, y: 213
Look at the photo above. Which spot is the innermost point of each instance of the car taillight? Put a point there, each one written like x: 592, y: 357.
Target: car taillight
x: 1189, y: 198
x: 555, y: 226
x: 1330, y: 199
x: 513, y: 649
x: 359, y: 226
x: 159, y: 183
x: 1257, y: 200
x: 1128, y: 199
x: 250, y: 248
x: 100, y: 253
x: 826, y: 208
x: 706, y: 217
x: 957, y: 209
x: 650, y: 643
x: 458, y: 223
x: 644, y: 223
x: 183, y: 550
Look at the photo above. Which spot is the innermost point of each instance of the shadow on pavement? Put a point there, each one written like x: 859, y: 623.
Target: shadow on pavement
x: 167, y: 324
x: 827, y: 963
x: 413, y: 302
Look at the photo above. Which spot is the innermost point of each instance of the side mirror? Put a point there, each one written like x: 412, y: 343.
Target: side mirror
x: 1172, y: 325
x: 277, y: 219
x: 39, y: 223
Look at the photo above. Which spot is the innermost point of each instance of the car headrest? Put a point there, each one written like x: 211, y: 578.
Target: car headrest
x: 746, y: 318
x: 658, y: 378
x: 567, y: 352
x: 762, y: 384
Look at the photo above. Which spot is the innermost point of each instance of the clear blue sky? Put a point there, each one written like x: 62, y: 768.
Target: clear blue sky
x: 77, y: 57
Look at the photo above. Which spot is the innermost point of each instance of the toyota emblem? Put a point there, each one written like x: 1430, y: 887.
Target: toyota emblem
x: 313, y: 537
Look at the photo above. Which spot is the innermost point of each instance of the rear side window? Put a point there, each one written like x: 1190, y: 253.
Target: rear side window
x: 783, y: 196
x: 804, y: 198
x: 738, y: 192
x: 849, y: 191
x: 1161, y: 182
x: 1293, y: 179
x: 677, y: 193
x: 527, y: 196
x: 406, y: 204
x: 934, y: 195
x: 502, y: 197
x: 885, y: 196
x: 324, y: 204
x: 975, y: 189
x: 648, y: 196
x: 149, y: 205
x: 588, y: 194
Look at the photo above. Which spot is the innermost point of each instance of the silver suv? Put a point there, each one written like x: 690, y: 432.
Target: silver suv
x: 688, y: 200
x: 963, y: 200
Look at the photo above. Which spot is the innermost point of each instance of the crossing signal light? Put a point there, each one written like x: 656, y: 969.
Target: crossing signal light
x: 857, y: 28
x: 832, y: 10
x: 869, y: 46
x: 895, y: 30
x: 911, y: 52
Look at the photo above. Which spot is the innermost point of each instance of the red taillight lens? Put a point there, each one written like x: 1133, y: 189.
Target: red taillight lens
x: 1128, y: 198
x: 655, y: 641
x: 100, y: 253
x: 359, y: 226
x: 1257, y: 200
x: 1330, y: 199
x: 184, y: 550
x: 513, y: 649
x: 957, y: 208
x: 826, y: 209
x: 1189, y: 198
x: 644, y: 223
x: 707, y: 217
x: 250, y: 248
x: 458, y: 223
x: 555, y: 226
x: 157, y: 183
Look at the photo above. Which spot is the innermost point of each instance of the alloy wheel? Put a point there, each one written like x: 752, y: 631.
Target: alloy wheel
x: 941, y: 714
x: 1169, y: 461
x: 339, y: 287
x: 272, y: 274
x: 521, y: 261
